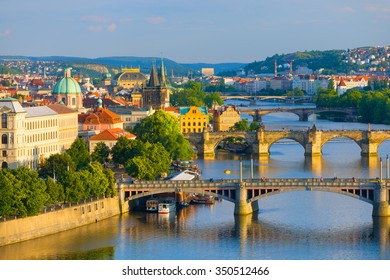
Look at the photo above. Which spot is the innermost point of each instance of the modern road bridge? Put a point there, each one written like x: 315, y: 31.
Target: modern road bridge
x: 246, y: 193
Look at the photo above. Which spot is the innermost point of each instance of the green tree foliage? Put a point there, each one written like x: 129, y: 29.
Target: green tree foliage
x: 242, y: 125
x: 22, y: 192
x: 374, y: 106
x: 56, y: 166
x: 111, y: 190
x: 164, y: 128
x: 33, y: 189
x: 131, y: 152
x: 213, y: 98
x: 55, y: 191
x: 193, y: 95
x: 79, y: 153
x: 10, y: 195
x: 74, y: 187
x: 101, y: 153
x: 140, y: 167
x: 296, y: 92
x: 254, y: 126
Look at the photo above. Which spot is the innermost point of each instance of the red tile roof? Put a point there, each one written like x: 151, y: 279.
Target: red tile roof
x: 112, y: 135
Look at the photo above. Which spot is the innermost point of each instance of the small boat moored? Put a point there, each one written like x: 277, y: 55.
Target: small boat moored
x: 166, y: 205
x: 152, y: 205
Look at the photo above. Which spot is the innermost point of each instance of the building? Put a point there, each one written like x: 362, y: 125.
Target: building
x: 97, y: 120
x: 109, y: 137
x: 130, y: 116
x: 67, y: 91
x: 345, y: 83
x: 225, y: 117
x: 207, y: 72
x: 31, y: 134
x: 130, y: 78
x: 156, y: 93
x: 193, y: 119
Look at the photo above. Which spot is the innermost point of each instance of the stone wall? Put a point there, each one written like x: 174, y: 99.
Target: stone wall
x: 18, y: 230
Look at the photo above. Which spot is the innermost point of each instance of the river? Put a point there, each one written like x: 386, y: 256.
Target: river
x: 291, y: 226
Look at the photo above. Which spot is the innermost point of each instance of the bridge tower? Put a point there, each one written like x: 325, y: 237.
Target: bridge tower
x: 241, y: 205
x: 381, y: 201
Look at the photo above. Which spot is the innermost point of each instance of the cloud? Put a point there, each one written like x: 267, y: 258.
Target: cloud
x: 374, y: 9
x: 344, y: 10
x: 95, y: 28
x: 95, y: 19
x: 5, y: 33
x: 156, y: 20
x: 111, y: 27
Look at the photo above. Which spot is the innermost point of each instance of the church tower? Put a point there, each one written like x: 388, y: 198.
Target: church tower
x: 156, y: 93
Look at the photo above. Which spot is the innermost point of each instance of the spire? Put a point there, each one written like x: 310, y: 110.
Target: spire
x: 153, y: 80
x: 162, y: 76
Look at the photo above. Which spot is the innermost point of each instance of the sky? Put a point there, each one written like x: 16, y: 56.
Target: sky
x: 208, y: 31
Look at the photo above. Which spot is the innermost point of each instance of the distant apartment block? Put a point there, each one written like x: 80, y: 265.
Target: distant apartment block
x: 207, y: 72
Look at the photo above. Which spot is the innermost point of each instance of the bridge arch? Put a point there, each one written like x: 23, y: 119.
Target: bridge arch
x: 186, y: 190
x: 356, y: 141
x: 295, y: 139
x: 344, y: 193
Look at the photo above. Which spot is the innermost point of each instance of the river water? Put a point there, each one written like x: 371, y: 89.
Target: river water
x: 291, y: 226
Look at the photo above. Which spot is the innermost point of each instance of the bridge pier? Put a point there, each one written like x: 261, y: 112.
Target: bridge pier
x: 241, y: 206
x: 381, y: 202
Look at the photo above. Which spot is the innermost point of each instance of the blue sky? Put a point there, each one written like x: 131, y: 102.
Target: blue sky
x: 190, y: 31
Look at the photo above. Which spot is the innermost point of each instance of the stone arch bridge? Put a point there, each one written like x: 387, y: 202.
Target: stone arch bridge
x: 246, y: 193
x: 312, y: 140
x: 350, y: 114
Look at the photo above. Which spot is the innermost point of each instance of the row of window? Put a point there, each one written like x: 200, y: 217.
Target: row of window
x: 194, y: 124
x: 40, y: 124
x: 192, y: 130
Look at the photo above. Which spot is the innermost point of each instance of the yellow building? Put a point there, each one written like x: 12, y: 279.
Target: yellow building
x: 225, y: 117
x: 193, y: 119
x: 28, y: 135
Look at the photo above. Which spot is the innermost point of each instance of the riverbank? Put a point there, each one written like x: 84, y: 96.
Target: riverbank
x: 17, y: 230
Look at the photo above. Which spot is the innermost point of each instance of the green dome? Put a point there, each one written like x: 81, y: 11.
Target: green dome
x: 67, y: 85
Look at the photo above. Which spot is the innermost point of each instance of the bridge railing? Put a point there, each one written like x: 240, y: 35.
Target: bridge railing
x: 263, y: 182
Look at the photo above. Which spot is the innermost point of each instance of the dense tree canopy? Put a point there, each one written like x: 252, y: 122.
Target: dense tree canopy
x: 163, y: 128
x: 193, y: 95
x: 374, y: 106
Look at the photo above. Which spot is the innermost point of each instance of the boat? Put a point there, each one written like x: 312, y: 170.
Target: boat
x: 166, y: 205
x: 152, y: 205
x: 183, y: 175
x: 203, y: 199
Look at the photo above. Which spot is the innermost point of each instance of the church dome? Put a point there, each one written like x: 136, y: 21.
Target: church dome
x: 67, y: 85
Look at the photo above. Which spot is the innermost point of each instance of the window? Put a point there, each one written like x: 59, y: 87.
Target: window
x: 4, y: 120
x: 4, y: 153
x: 4, y: 139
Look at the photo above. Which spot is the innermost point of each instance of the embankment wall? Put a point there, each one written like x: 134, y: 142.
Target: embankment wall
x: 18, y: 230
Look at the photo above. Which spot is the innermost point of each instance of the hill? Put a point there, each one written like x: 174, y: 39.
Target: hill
x: 94, y: 67
x: 329, y: 61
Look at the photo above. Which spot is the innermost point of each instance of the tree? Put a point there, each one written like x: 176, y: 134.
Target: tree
x: 33, y: 189
x: 79, y: 153
x: 55, y: 191
x: 242, y: 125
x: 213, y: 98
x: 164, y: 128
x: 74, y: 187
x: 56, y: 166
x: 141, y: 168
x: 101, y: 153
x: 254, y: 126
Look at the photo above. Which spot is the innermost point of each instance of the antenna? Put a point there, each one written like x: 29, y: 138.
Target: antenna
x: 275, y: 69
